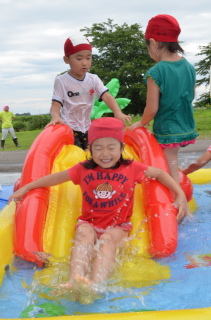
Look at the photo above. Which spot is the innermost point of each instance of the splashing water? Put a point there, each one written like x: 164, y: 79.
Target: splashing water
x: 137, y: 283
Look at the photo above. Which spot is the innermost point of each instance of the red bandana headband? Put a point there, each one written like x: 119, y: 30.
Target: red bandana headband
x: 75, y: 44
x: 164, y: 28
x: 104, y: 128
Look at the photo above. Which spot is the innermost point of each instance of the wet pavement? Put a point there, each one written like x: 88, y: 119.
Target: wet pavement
x: 11, y: 162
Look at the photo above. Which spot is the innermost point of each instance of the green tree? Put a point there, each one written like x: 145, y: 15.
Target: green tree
x: 122, y: 54
x: 203, y: 70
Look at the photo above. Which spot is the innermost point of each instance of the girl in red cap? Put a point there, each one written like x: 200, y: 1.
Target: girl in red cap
x: 107, y: 181
x: 170, y: 90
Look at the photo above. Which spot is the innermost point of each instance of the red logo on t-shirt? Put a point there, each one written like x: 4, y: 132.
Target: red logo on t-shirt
x: 91, y: 92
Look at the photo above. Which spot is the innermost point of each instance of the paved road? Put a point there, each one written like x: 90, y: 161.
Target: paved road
x: 12, y: 161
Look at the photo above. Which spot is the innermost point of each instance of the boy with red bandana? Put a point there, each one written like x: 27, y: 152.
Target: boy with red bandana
x: 75, y: 91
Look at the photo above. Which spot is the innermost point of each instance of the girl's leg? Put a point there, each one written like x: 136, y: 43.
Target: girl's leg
x: 105, y: 259
x: 172, y: 161
x: 82, y: 251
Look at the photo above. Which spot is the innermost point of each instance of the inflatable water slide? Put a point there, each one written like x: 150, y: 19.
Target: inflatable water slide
x: 44, y: 221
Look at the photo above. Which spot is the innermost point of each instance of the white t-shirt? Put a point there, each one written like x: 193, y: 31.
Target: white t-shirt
x: 77, y: 98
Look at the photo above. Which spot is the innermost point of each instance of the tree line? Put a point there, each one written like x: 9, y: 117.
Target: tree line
x: 122, y: 54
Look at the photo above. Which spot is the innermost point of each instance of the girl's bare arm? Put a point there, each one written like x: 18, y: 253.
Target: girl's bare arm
x: 199, y: 163
x: 165, y: 179
x: 152, y: 105
x: 44, y: 182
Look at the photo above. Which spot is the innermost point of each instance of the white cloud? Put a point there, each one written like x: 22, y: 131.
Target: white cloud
x: 32, y: 35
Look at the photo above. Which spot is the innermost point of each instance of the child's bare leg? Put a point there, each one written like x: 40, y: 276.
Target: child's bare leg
x: 82, y: 251
x: 105, y: 259
x: 172, y: 161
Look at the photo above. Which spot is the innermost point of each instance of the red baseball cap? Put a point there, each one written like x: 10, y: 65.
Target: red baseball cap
x: 163, y: 27
x: 75, y: 44
x: 104, y: 128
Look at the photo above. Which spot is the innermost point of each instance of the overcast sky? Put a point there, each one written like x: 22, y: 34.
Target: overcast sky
x: 33, y: 33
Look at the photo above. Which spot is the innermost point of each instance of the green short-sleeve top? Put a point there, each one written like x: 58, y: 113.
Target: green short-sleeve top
x: 6, y: 117
x: 174, y: 121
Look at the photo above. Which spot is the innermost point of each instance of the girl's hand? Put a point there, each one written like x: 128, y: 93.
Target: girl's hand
x: 182, y: 204
x: 135, y: 125
x: 18, y: 195
x: 181, y: 169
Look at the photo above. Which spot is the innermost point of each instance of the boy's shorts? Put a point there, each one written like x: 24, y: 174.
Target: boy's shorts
x: 81, y: 139
x: 126, y: 226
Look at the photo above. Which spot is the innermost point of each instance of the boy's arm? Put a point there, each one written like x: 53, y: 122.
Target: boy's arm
x: 199, y: 163
x: 112, y: 104
x: 44, y: 182
x: 55, y: 114
x: 165, y: 179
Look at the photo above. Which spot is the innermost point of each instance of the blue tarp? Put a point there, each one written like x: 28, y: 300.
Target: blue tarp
x: 5, y: 193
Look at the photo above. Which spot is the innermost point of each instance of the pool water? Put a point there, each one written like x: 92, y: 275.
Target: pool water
x: 190, y: 275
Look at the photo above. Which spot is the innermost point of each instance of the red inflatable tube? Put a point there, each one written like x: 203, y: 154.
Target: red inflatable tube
x: 31, y: 212
x: 161, y: 214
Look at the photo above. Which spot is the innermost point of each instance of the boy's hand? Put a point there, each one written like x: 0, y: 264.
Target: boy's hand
x: 54, y: 120
x: 18, y: 195
x: 123, y: 117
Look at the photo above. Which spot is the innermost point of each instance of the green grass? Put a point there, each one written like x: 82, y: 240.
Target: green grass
x: 203, y: 121
x: 202, y: 118
x: 25, y: 140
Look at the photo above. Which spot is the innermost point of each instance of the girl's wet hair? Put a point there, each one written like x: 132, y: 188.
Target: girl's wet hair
x: 173, y: 47
x: 90, y: 164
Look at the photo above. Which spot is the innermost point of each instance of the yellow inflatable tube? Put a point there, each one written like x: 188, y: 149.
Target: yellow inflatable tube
x: 6, y: 237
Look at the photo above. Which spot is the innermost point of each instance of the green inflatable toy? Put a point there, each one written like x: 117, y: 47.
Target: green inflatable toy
x: 43, y: 310
x: 100, y: 107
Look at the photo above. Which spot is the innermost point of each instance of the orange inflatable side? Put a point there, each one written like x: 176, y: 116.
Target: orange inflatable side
x: 161, y: 214
x: 31, y: 212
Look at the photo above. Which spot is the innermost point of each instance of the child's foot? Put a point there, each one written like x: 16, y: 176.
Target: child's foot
x: 87, y: 294
x: 66, y: 291
x: 71, y: 289
x: 80, y: 288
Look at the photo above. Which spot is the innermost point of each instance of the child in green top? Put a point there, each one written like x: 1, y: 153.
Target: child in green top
x: 6, y: 118
x: 170, y: 91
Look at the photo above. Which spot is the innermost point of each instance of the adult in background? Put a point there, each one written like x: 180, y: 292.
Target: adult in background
x: 6, y: 117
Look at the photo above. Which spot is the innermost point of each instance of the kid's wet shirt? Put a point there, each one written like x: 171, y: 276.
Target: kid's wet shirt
x: 174, y: 121
x: 108, y: 194
x: 77, y: 98
x: 6, y: 116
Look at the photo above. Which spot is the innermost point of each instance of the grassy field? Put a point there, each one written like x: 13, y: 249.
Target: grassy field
x: 202, y: 118
x: 25, y: 140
